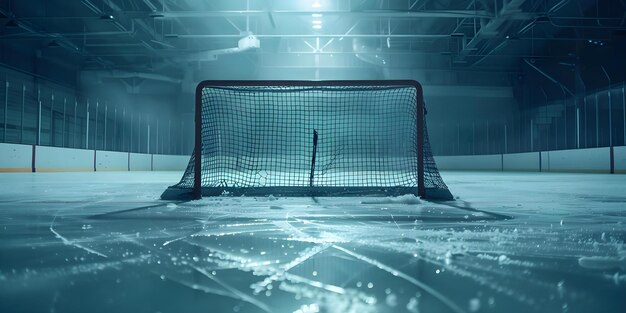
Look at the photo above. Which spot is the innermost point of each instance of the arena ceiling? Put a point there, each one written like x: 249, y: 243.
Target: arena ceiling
x: 166, y: 36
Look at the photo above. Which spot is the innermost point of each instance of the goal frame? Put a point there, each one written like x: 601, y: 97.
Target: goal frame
x: 197, y: 190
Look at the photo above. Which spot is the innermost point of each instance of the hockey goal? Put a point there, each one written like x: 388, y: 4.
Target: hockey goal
x: 310, y: 138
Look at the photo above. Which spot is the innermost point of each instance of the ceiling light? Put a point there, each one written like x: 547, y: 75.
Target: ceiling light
x: 107, y: 17
x: 317, y: 22
x: 597, y: 42
x: 316, y: 15
x: 317, y: 26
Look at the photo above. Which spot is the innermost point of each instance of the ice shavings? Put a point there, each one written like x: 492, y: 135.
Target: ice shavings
x: 474, y: 305
x: 308, y: 308
x: 352, y: 301
x: 602, y: 262
x: 505, y: 260
x: 51, y: 274
x: 405, y: 199
x: 413, y: 305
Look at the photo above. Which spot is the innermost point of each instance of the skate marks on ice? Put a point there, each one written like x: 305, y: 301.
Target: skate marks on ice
x: 337, y: 255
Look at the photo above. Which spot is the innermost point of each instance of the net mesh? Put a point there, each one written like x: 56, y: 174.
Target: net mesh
x: 264, y: 137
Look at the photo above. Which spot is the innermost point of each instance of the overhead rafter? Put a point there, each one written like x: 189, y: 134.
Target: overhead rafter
x: 493, y: 28
x: 446, y: 14
x: 342, y: 13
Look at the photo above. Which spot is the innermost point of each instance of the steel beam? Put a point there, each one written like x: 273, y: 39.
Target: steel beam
x: 343, y: 13
x: 491, y: 30
x: 546, y: 75
x: 314, y: 36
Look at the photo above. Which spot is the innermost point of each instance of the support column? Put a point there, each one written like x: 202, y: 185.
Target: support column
x: 87, y: 128
x: 104, y: 139
x: 156, y: 141
x: 38, y: 139
x: 608, y: 91
x: 64, y: 116
x: 130, y: 138
x: 139, y: 134
x: 473, y: 137
x: 624, y: 111
x: 532, y: 138
x: 577, y: 128
x: 597, y: 122
x: 566, y: 146
x: 74, y: 145
x: 114, y: 141
x: 585, y: 118
x: 610, y: 119
x: 148, y: 137
x: 22, y: 116
x: 488, y: 141
x: 124, y: 130
x: 52, y: 120
x: 95, y: 129
x: 506, y: 143
x: 39, y: 112
x: 6, y: 107
x: 556, y: 133
x: 169, y: 137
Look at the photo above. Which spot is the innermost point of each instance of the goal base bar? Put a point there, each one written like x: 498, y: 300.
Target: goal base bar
x: 177, y: 193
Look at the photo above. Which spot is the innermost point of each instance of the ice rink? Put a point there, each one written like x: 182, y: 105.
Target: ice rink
x: 511, y: 242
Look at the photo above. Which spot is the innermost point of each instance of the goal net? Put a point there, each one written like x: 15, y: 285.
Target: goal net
x: 302, y: 138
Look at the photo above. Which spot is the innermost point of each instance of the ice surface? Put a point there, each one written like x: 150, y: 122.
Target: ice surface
x: 104, y: 242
